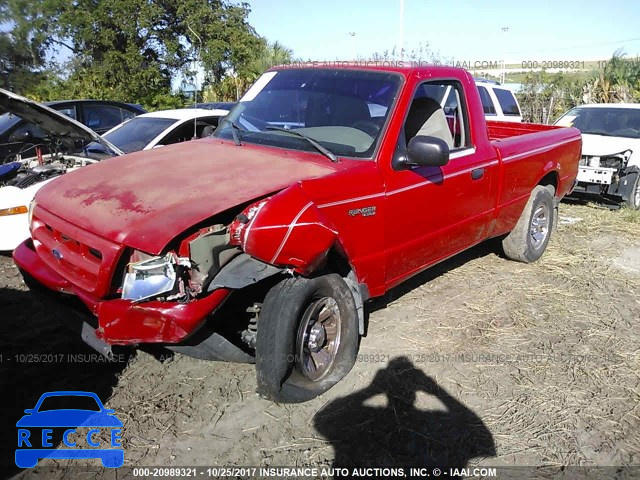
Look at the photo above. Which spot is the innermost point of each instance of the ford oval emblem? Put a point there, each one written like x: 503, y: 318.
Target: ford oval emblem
x: 57, y: 255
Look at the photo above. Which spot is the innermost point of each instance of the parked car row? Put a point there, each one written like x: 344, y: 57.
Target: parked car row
x: 57, y: 142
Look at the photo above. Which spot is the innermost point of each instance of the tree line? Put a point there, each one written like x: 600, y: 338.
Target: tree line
x: 133, y: 50
x: 544, y: 96
x: 130, y: 50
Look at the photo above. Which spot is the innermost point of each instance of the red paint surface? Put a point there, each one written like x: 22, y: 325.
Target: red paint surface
x: 422, y: 216
x: 145, y: 199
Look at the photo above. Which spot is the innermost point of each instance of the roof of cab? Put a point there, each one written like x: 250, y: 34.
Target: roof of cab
x: 404, y: 67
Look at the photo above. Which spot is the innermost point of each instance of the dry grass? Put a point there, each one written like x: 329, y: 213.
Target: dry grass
x: 550, y: 365
x: 553, y: 346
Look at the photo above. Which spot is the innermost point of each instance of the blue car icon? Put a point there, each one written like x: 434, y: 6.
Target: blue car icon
x: 36, y: 427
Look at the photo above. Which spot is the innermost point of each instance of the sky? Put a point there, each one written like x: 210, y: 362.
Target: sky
x: 459, y: 30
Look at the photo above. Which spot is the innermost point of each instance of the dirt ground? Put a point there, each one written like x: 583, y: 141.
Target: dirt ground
x: 479, y: 361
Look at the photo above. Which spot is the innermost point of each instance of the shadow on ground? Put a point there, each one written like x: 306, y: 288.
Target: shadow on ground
x: 382, y: 425
x: 39, y: 354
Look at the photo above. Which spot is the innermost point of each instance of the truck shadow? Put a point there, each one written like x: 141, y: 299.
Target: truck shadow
x: 381, y: 426
x: 39, y: 354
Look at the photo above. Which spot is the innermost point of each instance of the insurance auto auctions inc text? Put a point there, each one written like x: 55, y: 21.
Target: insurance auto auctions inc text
x: 328, y: 472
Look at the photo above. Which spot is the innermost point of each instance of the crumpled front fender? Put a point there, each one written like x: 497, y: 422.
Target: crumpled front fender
x: 288, y: 230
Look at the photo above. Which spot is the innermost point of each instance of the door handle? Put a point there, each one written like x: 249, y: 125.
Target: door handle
x: 477, y: 173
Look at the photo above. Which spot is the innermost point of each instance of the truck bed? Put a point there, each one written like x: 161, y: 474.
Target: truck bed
x: 523, y: 149
x: 502, y: 130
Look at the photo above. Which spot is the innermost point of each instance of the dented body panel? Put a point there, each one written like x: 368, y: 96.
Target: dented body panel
x: 387, y: 225
x: 151, y: 197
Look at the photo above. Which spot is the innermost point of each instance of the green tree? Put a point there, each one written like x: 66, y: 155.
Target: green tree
x: 544, y: 96
x: 234, y: 84
x: 130, y: 50
x: 23, y: 45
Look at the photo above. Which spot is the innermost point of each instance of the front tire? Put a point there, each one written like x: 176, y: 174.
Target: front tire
x: 307, y: 338
x: 634, y: 197
x: 528, y: 240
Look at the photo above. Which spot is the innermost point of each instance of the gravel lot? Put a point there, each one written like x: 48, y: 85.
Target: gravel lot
x: 480, y: 361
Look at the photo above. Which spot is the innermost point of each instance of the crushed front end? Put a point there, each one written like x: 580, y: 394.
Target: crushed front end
x: 608, y: 175
x: 114, y: 295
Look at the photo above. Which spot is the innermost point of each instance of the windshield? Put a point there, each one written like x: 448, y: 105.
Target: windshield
x: 343, y: 110
x: 138, y: 132
x: 614, y: 122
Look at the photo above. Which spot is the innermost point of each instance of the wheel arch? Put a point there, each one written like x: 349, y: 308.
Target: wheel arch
x: 552, y: 179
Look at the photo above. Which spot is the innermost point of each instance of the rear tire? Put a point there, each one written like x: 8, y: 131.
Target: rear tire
x: 528, y: 240
x: 307, y: 338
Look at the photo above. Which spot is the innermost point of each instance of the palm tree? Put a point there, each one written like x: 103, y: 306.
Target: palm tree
x: 618, y: 81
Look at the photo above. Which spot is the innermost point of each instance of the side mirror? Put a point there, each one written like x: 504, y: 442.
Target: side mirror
x: 427, y: 151
x: 29, y: 411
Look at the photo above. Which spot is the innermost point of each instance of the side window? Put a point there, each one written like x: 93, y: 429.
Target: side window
x: 206, y: 126
x: 427, y: 117
x: 182, y: 133
x: 68, y: 111
x: 487, y: 104
x: 507, y: 101
x: 213, y: 121
x: 126, y: 114
x: 102, y: 117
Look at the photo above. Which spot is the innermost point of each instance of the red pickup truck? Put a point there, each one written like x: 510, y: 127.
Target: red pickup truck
x: 323, y: 188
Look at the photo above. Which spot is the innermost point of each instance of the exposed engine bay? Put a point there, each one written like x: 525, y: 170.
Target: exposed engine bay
x: 38, y: 169
x: 607, y: 175
x: 616, y: 161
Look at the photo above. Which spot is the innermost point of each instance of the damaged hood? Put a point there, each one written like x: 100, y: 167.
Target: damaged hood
x: 600, y: 145
x: 56, y: 124
x: 146, y: 199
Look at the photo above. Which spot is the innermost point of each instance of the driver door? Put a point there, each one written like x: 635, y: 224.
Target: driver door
x: 437, y: 211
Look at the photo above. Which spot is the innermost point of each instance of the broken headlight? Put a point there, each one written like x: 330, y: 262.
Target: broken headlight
x: 151, y: 276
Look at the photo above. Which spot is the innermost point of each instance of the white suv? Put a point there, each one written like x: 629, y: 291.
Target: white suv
x: 499, y: 102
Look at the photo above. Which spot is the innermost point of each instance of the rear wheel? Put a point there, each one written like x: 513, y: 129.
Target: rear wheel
x: 307, y: 338
x: 528, y: 240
